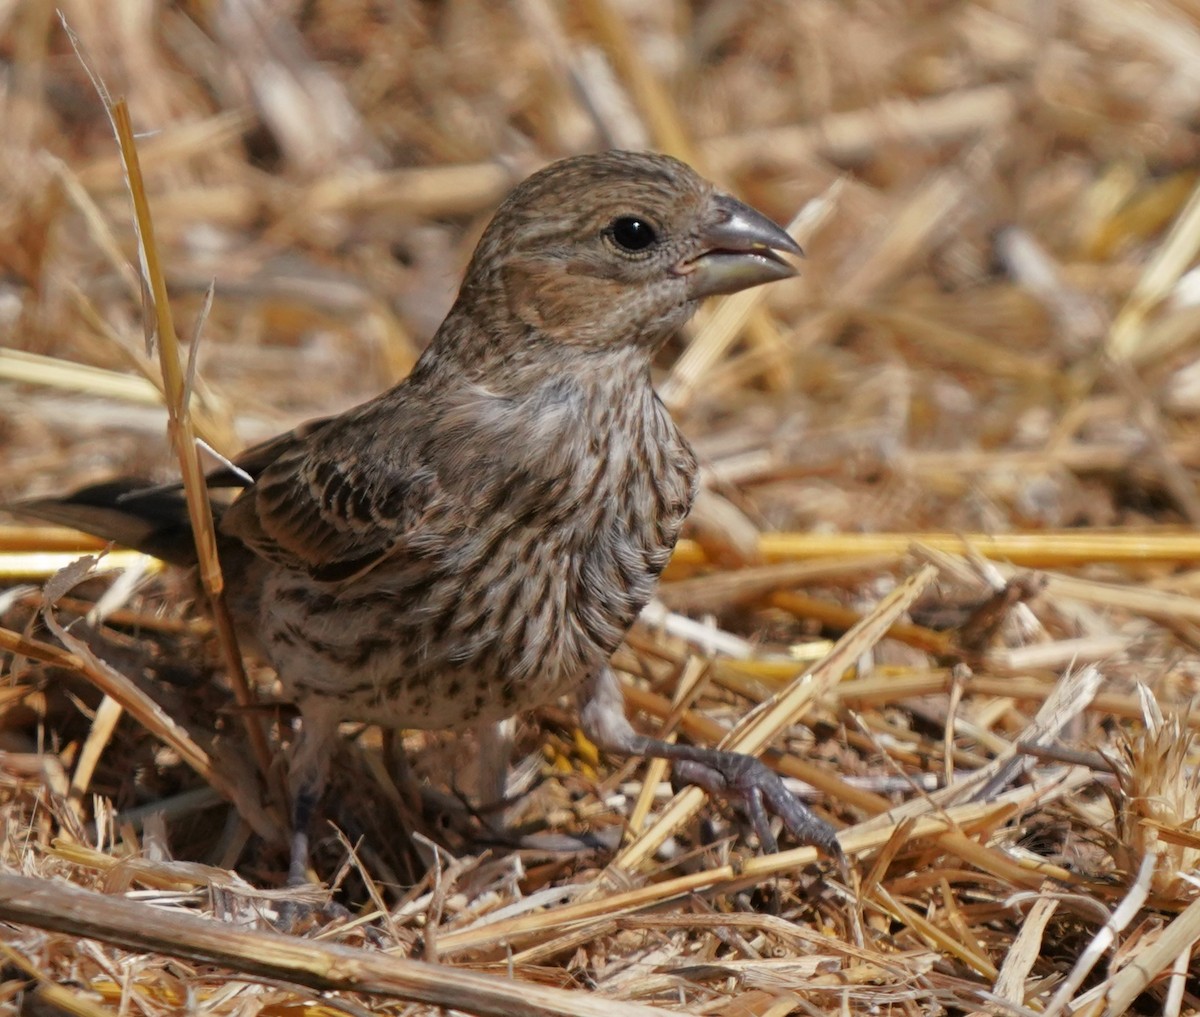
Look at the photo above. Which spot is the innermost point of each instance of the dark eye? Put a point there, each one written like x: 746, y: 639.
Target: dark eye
x: 631, y: 233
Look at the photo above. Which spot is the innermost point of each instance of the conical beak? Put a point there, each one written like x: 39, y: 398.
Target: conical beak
x: 740, y: 248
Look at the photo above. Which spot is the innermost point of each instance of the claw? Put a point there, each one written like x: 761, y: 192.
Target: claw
x: 733, y: 775
x: 759, y: 790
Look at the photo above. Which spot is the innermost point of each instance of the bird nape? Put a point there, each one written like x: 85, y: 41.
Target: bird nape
x: 478, y: 539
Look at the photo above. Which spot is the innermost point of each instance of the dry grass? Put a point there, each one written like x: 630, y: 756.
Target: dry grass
x: 946, y: 539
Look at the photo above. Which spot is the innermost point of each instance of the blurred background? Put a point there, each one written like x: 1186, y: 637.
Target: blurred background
x: 996, y: 333
x: 991, y: 187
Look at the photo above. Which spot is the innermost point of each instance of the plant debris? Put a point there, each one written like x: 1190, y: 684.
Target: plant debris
x: 943, y: 571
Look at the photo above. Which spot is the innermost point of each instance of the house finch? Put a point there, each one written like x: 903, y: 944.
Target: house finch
x: 478, y: 539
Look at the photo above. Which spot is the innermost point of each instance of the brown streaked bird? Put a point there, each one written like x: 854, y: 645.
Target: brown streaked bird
x: 477, y: 540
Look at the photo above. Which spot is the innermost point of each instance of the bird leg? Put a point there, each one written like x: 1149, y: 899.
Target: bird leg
x: 304, y: 804
x: 732, y: 775
x: 308, y: 775
x: 495, y: 751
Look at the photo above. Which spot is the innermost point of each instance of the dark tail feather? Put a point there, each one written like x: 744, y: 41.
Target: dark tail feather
x: 129, y: 512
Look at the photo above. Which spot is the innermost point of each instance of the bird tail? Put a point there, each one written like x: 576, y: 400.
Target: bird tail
x: 128, y: 511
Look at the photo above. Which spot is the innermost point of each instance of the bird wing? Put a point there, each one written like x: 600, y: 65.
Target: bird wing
x: 251, y: 463
x: 333, y: 499
x: 382, y: 480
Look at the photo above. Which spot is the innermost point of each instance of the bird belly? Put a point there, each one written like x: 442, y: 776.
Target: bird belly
x: 499, y: 626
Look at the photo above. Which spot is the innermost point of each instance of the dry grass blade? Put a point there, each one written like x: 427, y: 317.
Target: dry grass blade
x: 1124, y: 987
x: 989, y: 363
x: 1033, y: 550
x: 175, y: 392
x: 16, y: 365
x: 937, y: 937
x: 16, y: 565
x: 184, y: 440
x: 45, y: 994
x: 1120, y: 918
x: 854, y: 135
x: 652, y: 99
x: 62, y: 908
x: 102, y: 730
x: 78, y: 657
x: 1026, y: 948
x: 705, y: 729
x: 759, y: 727
x: 498, y: 934
x: 1175, y: 256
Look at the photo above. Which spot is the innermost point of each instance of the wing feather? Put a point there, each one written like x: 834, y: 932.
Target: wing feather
x: 335, y: 499
x: 406, y: 473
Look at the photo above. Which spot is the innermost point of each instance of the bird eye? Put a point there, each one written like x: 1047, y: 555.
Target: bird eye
x: 631, y: 233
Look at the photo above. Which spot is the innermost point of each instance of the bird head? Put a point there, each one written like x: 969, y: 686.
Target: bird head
x: 615, y: 250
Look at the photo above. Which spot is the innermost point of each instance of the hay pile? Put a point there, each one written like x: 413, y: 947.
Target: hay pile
x: 946, y: 535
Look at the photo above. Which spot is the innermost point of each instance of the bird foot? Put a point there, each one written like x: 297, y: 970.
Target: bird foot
x: 733, y: 775
x: 297, y: 917
x: 758, y: 790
